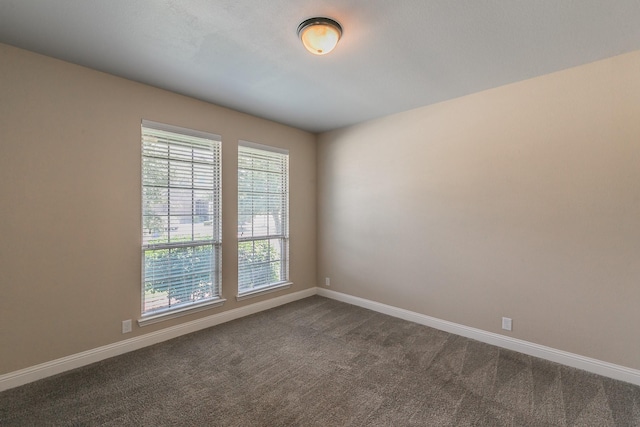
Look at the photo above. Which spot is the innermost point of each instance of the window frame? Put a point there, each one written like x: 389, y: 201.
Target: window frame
x: 179, y: 139
x: 283, y: 237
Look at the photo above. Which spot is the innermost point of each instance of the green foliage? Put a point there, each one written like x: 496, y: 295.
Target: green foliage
x: 258, y: 264
x: 183, y: 274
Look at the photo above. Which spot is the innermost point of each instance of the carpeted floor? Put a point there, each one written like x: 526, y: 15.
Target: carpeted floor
x: 319, y: 362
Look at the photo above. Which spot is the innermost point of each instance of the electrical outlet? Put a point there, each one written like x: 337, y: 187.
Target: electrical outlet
x: 327, y: 281
x: 126, y: 326
x: 506, y: 323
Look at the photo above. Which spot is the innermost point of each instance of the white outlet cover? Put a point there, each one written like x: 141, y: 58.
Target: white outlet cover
x: 126, y: 326
x: 506, y: 323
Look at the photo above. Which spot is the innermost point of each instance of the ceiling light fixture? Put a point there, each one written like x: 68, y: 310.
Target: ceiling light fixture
x: 319, y: 35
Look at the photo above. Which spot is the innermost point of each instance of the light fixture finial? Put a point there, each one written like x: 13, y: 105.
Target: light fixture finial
x: 319, y: 35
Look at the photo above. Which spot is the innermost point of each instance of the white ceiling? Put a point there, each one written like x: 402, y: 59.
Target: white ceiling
x: 394, y: 55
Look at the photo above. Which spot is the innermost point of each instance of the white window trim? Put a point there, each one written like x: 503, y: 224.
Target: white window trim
x: 172, y: 313
x: 266, y: 290
x: 180, y: 130
x: 257, y: 146
x: 190, y: 309
x: 279, y: 285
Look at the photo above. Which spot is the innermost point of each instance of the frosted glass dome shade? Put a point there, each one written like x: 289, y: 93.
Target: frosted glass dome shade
x: 319, y: 35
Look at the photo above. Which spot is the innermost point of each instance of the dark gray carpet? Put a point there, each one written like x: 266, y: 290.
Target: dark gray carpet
x: 318, y: 362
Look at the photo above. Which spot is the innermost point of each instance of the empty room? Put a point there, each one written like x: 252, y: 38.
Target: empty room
x: 320, y: 213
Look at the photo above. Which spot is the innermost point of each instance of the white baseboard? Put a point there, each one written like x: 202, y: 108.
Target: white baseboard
x: 47, y: 369
x: 569, y: 359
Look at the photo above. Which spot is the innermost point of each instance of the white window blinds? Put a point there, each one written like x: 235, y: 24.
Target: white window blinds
x: 181, y: 227
x: 263, y: 217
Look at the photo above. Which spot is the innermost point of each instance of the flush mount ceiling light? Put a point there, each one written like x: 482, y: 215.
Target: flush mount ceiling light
x: 319, y: 35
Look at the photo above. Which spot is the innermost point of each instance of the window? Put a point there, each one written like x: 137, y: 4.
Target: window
x: 181, y: 233
x: 263, y: 218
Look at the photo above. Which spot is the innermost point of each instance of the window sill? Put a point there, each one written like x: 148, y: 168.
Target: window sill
x: 262, y: 291
x: 160, y: 317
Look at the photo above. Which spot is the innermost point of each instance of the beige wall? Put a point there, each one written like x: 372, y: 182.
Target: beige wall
x: 521, y: 201
x: 70, y: 261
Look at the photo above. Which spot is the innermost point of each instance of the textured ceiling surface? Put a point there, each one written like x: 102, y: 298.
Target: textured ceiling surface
x: 394, y: 55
